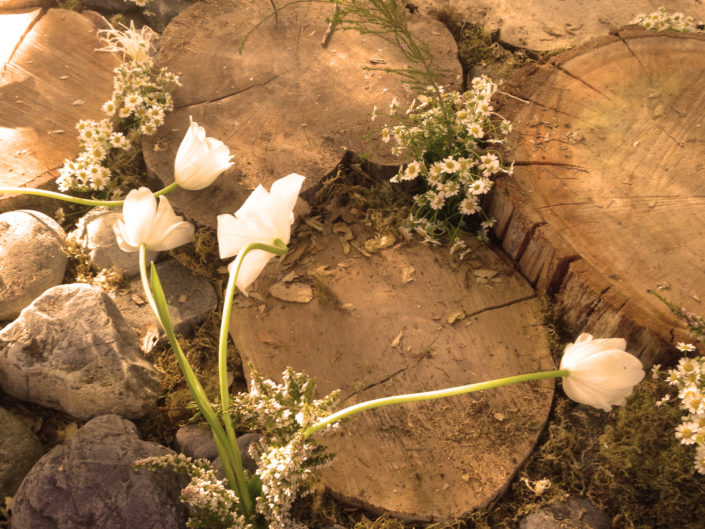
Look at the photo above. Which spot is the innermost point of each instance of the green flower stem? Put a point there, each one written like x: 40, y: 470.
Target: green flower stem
x: 60, y: 196
x: 227, y: 455
x: 76, y: 200
x: 431, y: 395
x: 168, y: 189
x: 279, y: 248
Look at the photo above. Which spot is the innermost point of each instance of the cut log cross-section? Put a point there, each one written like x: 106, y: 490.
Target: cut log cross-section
x: 405, y: 320
x: 51, y: 76
x: 607, y: 200
x: 286, y: 103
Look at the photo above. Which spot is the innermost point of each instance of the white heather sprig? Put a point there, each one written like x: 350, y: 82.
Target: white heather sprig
x: 661, y: 20
x: 211, y: 504
x: 447, y: 138
x: 688, y: 379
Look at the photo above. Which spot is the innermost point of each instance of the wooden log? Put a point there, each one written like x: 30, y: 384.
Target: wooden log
x: 548, y: 25
x: 403, y: 320
x: 606, y: 201
x: 53, y: 78
x: 286, y: 104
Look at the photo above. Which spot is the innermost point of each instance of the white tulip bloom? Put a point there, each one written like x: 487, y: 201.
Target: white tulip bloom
x: 200, y: 159
x: 264, y: 217
x: 157, y: 227
x: 602, y: 373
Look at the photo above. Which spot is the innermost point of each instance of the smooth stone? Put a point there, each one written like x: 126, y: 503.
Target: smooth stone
x: 20, y: 449
x: 32, y: 258
x: 243, y: 444
x: 88, y: 483
x: 573, y: 513
x: 196, y: 441
x: 71, y: 350
x: 94, y: 232
x: 190, y: 298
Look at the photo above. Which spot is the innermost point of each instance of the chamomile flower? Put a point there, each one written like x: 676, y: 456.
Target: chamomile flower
x: 469, y: 206
x: 450, y: 165
x: 700, y: 459
x: 685, y: 347
x: 109, y: 107
x: 685, y: 433
x: 435, y: 200
x: 412, y: 171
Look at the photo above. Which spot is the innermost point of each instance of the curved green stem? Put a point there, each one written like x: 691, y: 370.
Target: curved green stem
x: 168, y: 189
x: 430, y: 395
x: 61, y: 196
x: 77, y: 200
x: 227, y: 455
x: 279, y: 248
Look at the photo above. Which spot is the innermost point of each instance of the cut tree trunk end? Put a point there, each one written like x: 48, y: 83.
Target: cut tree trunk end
x: 404, y: 320
x: 606, y: 202
x: 285, y: 104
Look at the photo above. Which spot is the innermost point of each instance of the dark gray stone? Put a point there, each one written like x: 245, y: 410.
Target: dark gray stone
x: 88, y: 483
x: 32, y: 258
x: 190, y: 298
x: 72, y: 351
x: 20, y: 448
x: 196, y: 440
x: 94, y: 232
x: 574, y: 513
x: 243, y: 444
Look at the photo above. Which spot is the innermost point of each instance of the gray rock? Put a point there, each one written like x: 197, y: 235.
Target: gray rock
x: 243, y: 444
x: 72, y: 351
x: 94, y: 232
x: 190, y: 298
x: 20, y: 448
x: 574, y: 513
x: 88, y: 483
x: 196, y: 440
x: 32, y: 258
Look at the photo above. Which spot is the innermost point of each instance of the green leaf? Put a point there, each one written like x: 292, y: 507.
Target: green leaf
x: 160, y: 300
x: 254, y: 486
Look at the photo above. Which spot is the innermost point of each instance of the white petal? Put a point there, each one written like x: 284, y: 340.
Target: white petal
x: 177, y: 235
x: 252, y: 265
x: 284, y: 193
x: 234, y: 235
x: 119, y: 229
x: 138, y: 212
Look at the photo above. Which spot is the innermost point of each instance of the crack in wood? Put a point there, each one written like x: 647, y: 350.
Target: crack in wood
x: 227, y: 96
x: 629, y: 49
x: 525, y: 163
x: 583, y: 81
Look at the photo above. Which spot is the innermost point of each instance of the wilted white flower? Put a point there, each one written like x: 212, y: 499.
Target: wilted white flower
x: 602, y: 373
x: 157, y: 227
x: 137, y: 45
x: 264, y: 217
x: 200, y: 159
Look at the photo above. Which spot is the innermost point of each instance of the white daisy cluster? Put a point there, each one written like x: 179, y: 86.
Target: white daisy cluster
x: 211, y: 504
x: 660, y: 20
x: 448, y: 135
x: 688, y: 378
x: 141, y: 97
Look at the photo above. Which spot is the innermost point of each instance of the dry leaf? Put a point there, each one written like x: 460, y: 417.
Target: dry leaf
x: 315, y: 224
x: 346, y: 246
x: 183, y: 298
x: 256, y: 296
x: 288, y: 278
x: 348, y: 307
x: 361, y: 250
x: 387, y: 240
x: 499, y: 416
x: 484, y: 273
x: 397, y: 340
x: 456, y: 316
x: 343, y: 229
x: 266, y: 338
x: 294, y: 292
x: 137, y: 300
x: 407, y: 274
x: 149, y: 337
x: 78, y: 102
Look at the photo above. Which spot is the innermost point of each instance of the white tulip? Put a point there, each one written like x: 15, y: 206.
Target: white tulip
x: 199, y: 159
x: 264, y: 217
x: 157, y: 227
x: 602, y: 373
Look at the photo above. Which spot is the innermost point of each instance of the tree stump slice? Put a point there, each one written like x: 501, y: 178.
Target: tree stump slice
x: 380, y: 326
x: 606, y: 201
x: 286, y: 104
x: 546, y: 25
x: 54, y: 78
